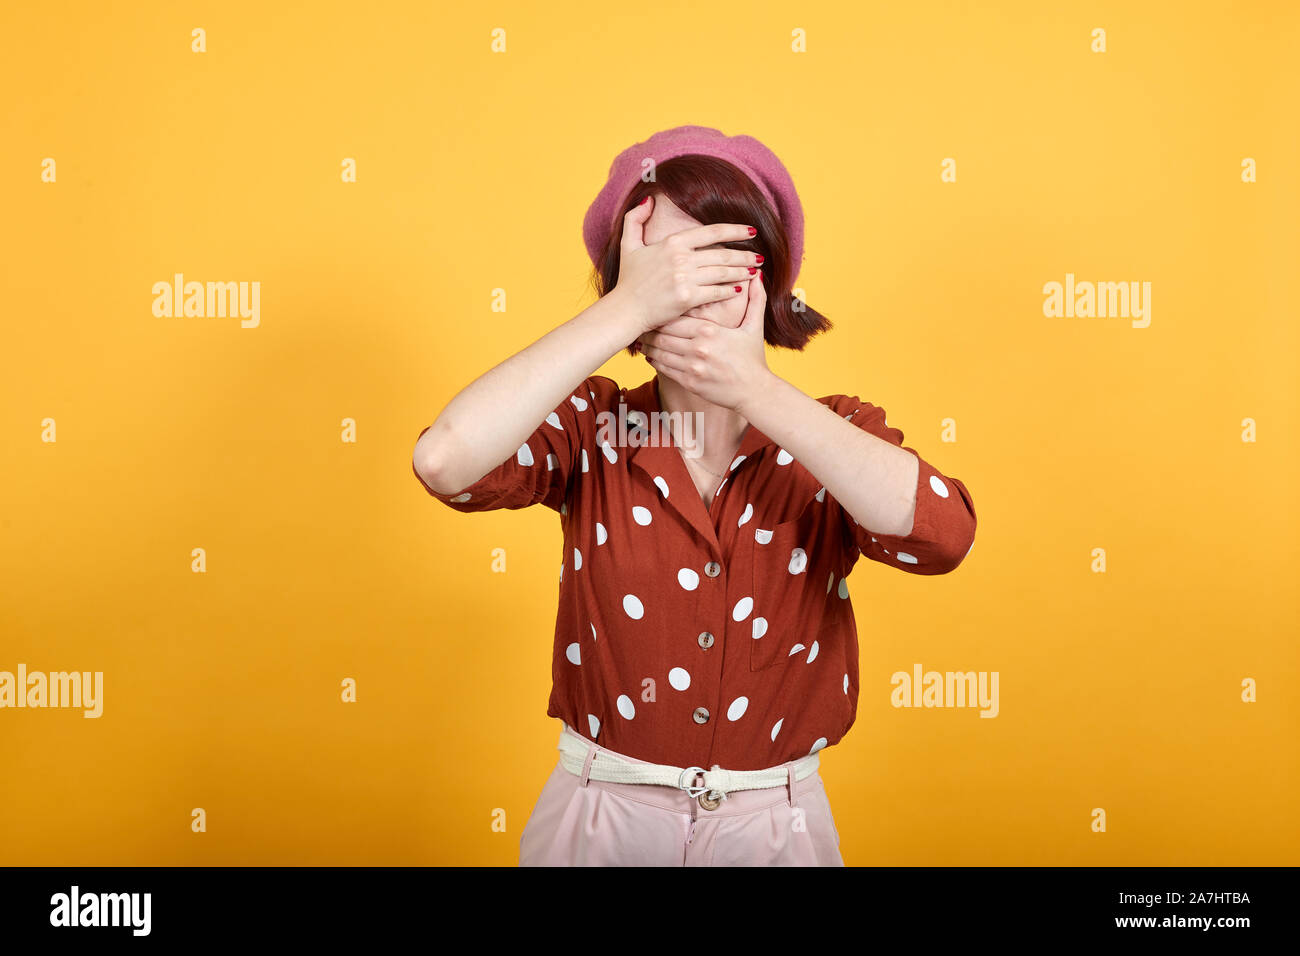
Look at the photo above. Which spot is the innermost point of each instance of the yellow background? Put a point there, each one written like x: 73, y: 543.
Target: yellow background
x: 327, y: 560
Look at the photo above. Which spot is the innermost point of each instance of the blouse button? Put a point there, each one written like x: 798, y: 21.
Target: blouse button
x: 705, y: 639
x: 713, y: 569
x: 701, y: 715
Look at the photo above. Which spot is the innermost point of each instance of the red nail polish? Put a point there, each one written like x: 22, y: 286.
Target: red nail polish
x: 737, y: 288
x: 752, y: 270
x: 759, y: 257
x: 753, y: 231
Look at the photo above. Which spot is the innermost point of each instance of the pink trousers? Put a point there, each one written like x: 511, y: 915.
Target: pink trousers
x: 583, y: 822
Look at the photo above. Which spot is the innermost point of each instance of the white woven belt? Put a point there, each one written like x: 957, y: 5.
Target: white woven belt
x: 609, y: 766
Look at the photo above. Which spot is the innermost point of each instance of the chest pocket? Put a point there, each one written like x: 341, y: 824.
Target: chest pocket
x: 791, y: 565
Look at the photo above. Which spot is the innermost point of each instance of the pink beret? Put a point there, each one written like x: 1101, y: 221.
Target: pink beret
x: 752, y: 158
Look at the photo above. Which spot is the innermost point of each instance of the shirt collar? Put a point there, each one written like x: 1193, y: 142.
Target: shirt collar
x: 662, y: 460
x: 644, y: 398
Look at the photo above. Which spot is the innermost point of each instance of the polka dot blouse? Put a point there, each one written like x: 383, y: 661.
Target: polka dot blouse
x: 692, y: 635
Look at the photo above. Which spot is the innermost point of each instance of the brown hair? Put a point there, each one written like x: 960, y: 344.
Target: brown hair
x: 713, y: 190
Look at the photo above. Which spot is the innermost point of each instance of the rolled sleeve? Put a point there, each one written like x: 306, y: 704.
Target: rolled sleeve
x: 943, y: 529
x: 540, y: 471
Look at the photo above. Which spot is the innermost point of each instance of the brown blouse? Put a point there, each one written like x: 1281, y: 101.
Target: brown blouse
x: 696, y: 636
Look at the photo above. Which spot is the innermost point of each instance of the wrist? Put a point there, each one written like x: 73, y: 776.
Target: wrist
x: 627, y: 312
x: 608, y: 325
x: 754, y: 398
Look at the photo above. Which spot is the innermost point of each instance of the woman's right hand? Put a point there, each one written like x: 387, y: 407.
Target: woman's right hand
x: 488, y: 420
x: 666, y: 279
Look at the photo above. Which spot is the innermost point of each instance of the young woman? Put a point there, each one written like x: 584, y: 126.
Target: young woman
x: 710, y: 515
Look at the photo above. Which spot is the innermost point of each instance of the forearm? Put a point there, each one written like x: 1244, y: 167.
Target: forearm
x: 487, y: 421
x: 873, y: 480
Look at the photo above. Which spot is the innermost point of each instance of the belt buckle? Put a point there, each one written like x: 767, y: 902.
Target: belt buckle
x: 701, y: 793
x: 691, y: 789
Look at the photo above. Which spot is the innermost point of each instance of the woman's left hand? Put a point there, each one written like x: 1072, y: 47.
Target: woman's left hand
x: 721, y: 365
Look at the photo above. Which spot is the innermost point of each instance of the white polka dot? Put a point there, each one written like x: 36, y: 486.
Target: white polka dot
x: 821, y: 494
x: 577, y: 560
x: 662, y: 485
x: 846, y: 683
x: 783, y: 457
x: 593, y: 725
x: 610, y: 453
x: 760, y: 627
x: 579, y: 403
x: 776, y: 727
x: 632, y: 605
x: 742, y: 609
x: 679, y: 678
x: 749, y: 513
x: 564, y: 507
x: 938, y: 486
x: 739, y: 459
x: 641, y: 515
x: 812, y: 654
x: 625, y: 707
x: 798, y: 560
x: 554, y: 421
x: 593, y: 631
x: 904, y: 557
x: 592, y: 394
x: 574, y: 653
x: 551, y: 462
x: 762, y: 536
x: 464, y: 496
x: 821, y: 742
x: 524, y: 454
x: 795, y: 650
x: 737, y: 708
x: 873, y: 539
x: 844, y: 587
x: 585, y: 466
x: 688, y: 579
x: 601, y: 534
x: 830, y: 583
x: 972, y: 544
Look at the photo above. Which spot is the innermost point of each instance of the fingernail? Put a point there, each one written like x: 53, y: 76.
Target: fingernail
x: 752, y: 270
x: 753, y: 231
x: 643, y: 200
x: 737, y: 288
x: 759, y: 256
